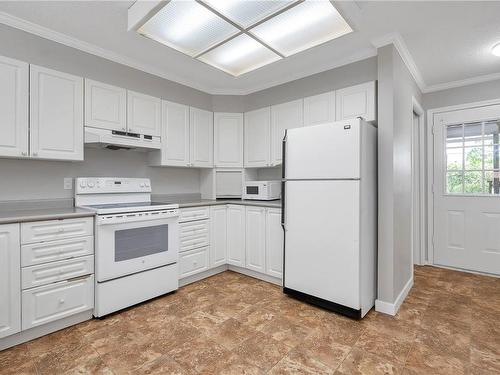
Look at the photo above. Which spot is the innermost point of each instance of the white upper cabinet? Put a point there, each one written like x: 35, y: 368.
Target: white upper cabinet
x: 357, y: 101
x: 319, y: 109
x: 256, y: 239
x: 14, y: 76
x: 236, y: 235
x: 175, y: 134
x: 257, y: 138
x: 228, y: 140
x: 56, y: 114
x: 143, y: 114
x: 218, y: 235
x: 105, y: 106
x: 274, y: 243
x: 10, y: 280
x: 201, y: 138
x: 284, y: 116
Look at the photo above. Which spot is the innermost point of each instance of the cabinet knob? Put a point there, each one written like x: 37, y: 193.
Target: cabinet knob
x: 23, y: 153
x: 61, y: 301
x: 124, y: 129
x: 35, y: 154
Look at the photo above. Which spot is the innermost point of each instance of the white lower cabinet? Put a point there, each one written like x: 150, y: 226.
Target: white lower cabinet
x: 255, y: 239
x: 56, y: 301
x: 218, y: 236
x: 10, y: 278
x: 236, y: 235
x: 274, y: 243
x: 193, y: 262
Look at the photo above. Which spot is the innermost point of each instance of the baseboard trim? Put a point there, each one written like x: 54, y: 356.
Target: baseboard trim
x: 256, y: 275
x: 392, y: 308
x: 202, y: 275
x: 35, y: 332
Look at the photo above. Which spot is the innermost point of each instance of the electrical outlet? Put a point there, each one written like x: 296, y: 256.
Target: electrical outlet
x: 68, y: 183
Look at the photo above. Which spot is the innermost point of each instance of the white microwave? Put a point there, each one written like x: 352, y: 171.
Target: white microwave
x: 262, y: 190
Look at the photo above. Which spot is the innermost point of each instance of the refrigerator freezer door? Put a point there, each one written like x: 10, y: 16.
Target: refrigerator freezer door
x: 322, y: 240
x: 330, y: 151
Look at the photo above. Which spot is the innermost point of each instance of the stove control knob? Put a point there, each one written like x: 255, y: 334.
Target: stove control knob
x: 82, y: 184
x: 142, y: 184
x: 147, y: 184
x: 90, y: 184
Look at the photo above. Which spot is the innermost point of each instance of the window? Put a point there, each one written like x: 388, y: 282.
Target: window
x: 473, y: 158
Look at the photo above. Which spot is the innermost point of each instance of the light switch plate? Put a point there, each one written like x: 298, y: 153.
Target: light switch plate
x: 68, y: 183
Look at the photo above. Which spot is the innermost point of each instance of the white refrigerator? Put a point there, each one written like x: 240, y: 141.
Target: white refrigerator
x: 329, y: 215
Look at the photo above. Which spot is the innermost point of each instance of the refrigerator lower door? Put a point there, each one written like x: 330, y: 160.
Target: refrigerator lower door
x: 322, y: 240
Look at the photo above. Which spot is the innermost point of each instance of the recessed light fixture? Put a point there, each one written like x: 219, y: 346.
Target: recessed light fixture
x: 496, y: 50
x: 238, y: 36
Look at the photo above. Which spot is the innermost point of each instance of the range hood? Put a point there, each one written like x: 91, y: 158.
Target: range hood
x: 120, y: 140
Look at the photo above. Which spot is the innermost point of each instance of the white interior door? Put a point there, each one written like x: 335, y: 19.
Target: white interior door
x: 467, y: 189
x: 322, y: 240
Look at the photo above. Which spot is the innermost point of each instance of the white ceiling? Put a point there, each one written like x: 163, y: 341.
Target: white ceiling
x: 449, y: 42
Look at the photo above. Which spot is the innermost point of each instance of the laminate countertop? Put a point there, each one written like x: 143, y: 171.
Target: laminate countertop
x: 214, y: 202
x: 38, y: 214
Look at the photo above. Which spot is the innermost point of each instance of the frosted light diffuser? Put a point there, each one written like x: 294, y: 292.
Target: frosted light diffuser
x: 187, y: 27
x: 304, y: 26
x: 239, y: 55
x: 246, y: 13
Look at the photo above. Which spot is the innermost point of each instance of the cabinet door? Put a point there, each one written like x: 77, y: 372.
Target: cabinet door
x: 10, y: 280
x: 236, y: 235
x: 13, y: 107
x: 257, y: 138
x: 274, y: 243
x: 218, y: 240
x: 356, y: 101
x: 319, y: 109
x: 143, y: 114
x: 228, y: 140
x: 201, y: 136
x: 175, y: 134
x: 284, y: 116
x: 105, y: 106
x: 56, y: 114
x: 255, y: 238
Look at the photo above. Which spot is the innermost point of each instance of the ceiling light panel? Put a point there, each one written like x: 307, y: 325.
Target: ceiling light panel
x: 247, y: 13
x: 188, y: 27
x: 240, y: 55
x: 306, y: 25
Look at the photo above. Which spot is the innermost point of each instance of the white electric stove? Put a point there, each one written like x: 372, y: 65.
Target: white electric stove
x: 136, y: 241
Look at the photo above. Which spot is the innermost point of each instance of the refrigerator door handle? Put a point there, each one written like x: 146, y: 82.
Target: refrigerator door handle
x: 283, y: 155
x: 283, y: 204
x: 283, y: 176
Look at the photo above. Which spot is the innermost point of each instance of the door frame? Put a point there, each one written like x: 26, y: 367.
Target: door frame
x: 430, y: 165
x: 421, y: 217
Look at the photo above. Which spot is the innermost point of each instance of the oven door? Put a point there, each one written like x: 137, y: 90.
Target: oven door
x: 135, y: 242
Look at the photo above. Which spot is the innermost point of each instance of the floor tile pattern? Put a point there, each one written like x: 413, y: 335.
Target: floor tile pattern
x: 233, y: 324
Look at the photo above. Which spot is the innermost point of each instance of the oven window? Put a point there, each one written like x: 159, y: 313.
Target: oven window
x: 254, y: 190
x: 140, y: 242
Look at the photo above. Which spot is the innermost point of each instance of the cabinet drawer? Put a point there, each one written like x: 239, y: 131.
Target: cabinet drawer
x: 194, y: 234
x: 194, y: 213
x: 192, y: 262
x: 56, y: 301
x: 56, y: 229
x: 44, y: 252
x: 44, y: 274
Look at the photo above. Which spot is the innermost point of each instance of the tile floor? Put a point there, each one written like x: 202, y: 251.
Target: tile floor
x: 233, y: 324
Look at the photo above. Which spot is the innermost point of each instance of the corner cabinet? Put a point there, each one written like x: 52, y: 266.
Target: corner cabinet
x: 14, y: 92
x: 357, y: 101
x: 201, y: 134
x: 284, y: 116
x: 143, y: 114
x: 56, y: 114
x: 236, y: 235
x: 10, y: 280
x: 257, y: 138
x: 105, y: 106
x: 228, y: 140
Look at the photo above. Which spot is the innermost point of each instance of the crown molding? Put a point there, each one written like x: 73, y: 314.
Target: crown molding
x: 397, y: 40
x: 55, y: 36
x: 462, y: 82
